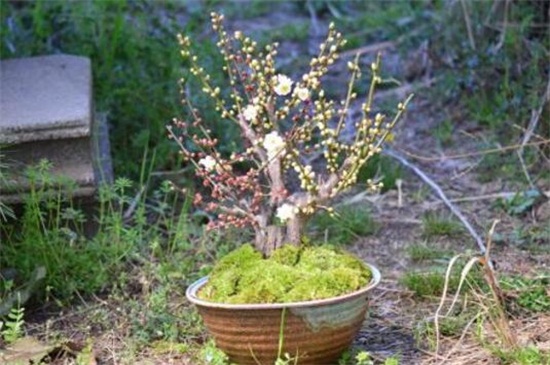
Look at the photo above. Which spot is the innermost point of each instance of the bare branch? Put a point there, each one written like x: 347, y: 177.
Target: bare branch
x: 441, y: 194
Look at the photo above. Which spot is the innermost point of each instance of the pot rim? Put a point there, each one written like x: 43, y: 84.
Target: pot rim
x: 191, y: 294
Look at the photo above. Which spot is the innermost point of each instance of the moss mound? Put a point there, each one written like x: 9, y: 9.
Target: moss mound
x: 291, y: 274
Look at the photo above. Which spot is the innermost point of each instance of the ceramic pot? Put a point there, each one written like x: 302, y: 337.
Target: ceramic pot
x: 316, y: 332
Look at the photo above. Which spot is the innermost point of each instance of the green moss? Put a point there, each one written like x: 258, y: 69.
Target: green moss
x: 287, y: 255
x: 291, y: 274
x: 325, y: 284
x: 243, y: 257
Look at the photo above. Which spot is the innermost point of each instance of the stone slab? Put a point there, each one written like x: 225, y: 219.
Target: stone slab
x: 70, y: 158
x: 44, y: 98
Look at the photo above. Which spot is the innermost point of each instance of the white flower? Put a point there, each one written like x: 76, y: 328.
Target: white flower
x: 250, y: 112
x: 208, y: 163
x: 302, y: 93
x: 283, y: 85
x: 286, y: 212
x: 273, y: 144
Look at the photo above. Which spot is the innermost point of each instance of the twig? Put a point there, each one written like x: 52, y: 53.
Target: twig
x: 501, y: 322
x: 134, y: 204
x: 472, y: 154
x: 313, y: 15
x: 401, y: 91
x: 441, y: 194
x: 503, y: 195
x: 442, y: 301
x: 468, y: 24
x: 494, y: 7
x: 535, y: 117
x: 504, y: 26
x: 459, y: 341
x: 372, y: 48
x: 398, y: 183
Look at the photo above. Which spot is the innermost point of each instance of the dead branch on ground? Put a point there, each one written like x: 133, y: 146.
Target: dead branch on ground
x: 441, y: 195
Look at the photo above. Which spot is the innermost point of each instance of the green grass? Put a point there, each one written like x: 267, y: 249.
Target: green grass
x: 450, y: 326
x: 499, y: 86
x: 50, y: 235
x: 435, y: 225
x: 528, y: 355
x: 424, y: 252
x: 428, y: 284
x: 528, y: 293
x: 382, y: 167
x: 349, y: 223
x: 443, y: 132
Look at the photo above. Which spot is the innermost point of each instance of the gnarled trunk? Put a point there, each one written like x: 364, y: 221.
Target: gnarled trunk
x: 272, y: 236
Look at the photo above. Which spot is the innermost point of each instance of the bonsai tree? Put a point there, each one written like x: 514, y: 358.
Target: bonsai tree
x: 271, y: 185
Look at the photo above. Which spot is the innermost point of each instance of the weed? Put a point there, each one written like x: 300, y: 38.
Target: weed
x: 13, y: 325
x: 5, y: 211
x: 443, y: 132
x: 534, y: 238
x: 163, y: 347
x: 211, y: 355
x: 530, y: 294
x: 383, y: 168
x: 499, y: 81
x: 529, y: 355
x: 449, y: 326
x: 520, y: 203
x: 348, y: 224
x: 363, y: 358
x: 423, y: 252
x: 391, y: 361
x: 434, y: 225
x: 289, y: 32
x: 49, y: 235
x: 427, y: 284
x: 431, y: 283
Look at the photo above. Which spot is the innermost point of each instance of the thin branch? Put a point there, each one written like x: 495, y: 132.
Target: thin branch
x: 504, y: 26
x: 313, y: 16
x: 535, y: 117
x: 459, y: 341
x: 468, y: 24
x: 377, y: 47
x: 472, y: 154
x: 441, y: 194
x: 442, y: 301
x: 502, y: 195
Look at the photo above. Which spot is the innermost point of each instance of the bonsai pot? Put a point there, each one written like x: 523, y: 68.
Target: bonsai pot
x: 316, y: 332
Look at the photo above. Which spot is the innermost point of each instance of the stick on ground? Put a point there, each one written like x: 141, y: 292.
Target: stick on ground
x: 441, y: 195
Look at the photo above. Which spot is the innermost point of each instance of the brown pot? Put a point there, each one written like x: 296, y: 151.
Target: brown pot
x: 316, y: 332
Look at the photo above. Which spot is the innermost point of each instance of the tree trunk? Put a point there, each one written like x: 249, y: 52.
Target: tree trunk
x: 272, y: 237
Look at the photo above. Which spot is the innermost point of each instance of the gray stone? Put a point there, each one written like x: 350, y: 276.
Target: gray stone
x: 44, y: 98
x: 46, y: 113
x: 70, y: 159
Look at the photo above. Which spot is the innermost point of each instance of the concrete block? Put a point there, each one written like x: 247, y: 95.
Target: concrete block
x: 46, y: 113
x: 44, y: 98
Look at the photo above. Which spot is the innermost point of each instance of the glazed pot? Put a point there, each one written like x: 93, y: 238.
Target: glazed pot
x: 316, y: 332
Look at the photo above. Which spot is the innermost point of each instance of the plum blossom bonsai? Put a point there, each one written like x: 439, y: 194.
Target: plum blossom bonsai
x: 269, y: 185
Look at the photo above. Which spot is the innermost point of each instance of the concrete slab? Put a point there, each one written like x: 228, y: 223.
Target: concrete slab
x: 86, y: 161
x: 44, y: 98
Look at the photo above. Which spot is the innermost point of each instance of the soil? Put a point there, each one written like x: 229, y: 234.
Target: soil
x: 395, y: 313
